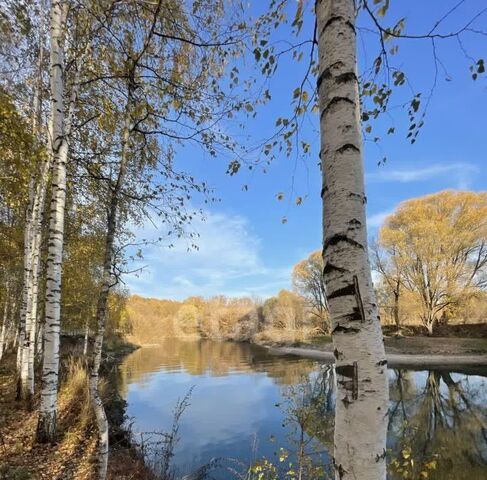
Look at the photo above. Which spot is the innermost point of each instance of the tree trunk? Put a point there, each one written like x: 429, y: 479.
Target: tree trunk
x: 4, y: 331
x: 29, y: 344
x: 429, y: 324
x: 397, y: 319
x: 107, y: 283
x: 46, y: 427
x: 87, y: 333
x: 362, y: 389
x: 34, y: 237
x: 27, y: 274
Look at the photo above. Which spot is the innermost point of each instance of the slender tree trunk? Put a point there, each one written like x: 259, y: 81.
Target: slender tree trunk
x: 27, y: 274
x: 362, y: 390
x: 39, y: 343
x: 31, y: 315
x: 46, y: 428
x: 5, y: 322
x: 16, y: 338
x: 107, y: 283
x: 87, y: 333
x: 34, y: 236
x: 397, y: 318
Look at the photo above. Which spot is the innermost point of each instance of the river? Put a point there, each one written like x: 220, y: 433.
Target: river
x: 246, y: 405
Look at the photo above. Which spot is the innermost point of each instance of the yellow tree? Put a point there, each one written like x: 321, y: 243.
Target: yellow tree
x: 385, y: 263
x: 440, y: 244
x: 307, y: 280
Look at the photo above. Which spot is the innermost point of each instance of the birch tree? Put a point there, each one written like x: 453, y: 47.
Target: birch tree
x: 46, y: 428
x: 33, y: 236
x: 20, y: 154
x: 362, y: 388
x: 5, y: 320
x: 158, y: 66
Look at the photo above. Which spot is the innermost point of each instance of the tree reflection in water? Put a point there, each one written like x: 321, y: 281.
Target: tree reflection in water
x: 437, y: 427
x: 439, y: 431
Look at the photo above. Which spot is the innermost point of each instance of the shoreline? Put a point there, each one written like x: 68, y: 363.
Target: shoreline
x: 394, y: 360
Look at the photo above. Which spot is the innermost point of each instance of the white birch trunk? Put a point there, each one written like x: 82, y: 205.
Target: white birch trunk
x: 27, y: 275
x: 16, y: 338
x: 362, y: 390
x: 107, y: 284
x: 60, y: 131
x: 87, y: 336
x: 34, y: 234
x: 40, y: 336
x: 46, y: 428
x: 5, y: 322
x: 29, y: 350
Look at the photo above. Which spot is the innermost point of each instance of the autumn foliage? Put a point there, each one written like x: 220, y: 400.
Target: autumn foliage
x: 431, y: 257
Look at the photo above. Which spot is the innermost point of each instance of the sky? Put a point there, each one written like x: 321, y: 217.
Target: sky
x: 244, y: 248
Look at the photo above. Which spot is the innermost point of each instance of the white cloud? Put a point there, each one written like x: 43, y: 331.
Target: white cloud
x: 376, y: 220
x: 228, y: 261
x: 457, y: 171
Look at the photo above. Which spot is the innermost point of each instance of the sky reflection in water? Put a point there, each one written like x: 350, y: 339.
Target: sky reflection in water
x: 439, y: 417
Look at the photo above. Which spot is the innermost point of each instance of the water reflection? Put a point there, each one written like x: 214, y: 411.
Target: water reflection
x: 437, y: 425
x: 247, y: 404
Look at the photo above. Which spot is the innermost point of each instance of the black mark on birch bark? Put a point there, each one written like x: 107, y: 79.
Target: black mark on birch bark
x: 337, y: 354
x: 358, y: 297
x: 337, y: 238
x: 347, y: 146
x: 329, y: 267
x: 342, y: 292
x: 339, y: 469
x: 346, y: 77
x: 362, y: 198
x: 334, y: 101
x: 342, y: 329
x: 349, y: 372
x: 355, y: 223
x: 337, y: 18
x: 381, y: 457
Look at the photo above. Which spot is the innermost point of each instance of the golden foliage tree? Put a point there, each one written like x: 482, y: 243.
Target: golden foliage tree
x: 307, y: 279
x: 440, y: 245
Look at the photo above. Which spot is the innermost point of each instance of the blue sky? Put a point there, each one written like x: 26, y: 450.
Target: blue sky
x: 244, y: 249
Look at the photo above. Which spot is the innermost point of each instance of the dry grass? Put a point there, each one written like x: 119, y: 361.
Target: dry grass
x: 285, y: 336
x: 73, y: 456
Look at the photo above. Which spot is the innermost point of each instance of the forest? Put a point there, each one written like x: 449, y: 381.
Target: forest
x: 114, y: 116
x: 429, y: 261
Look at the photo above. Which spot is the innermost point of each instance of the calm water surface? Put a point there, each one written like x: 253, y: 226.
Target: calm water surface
x: 244, y: 402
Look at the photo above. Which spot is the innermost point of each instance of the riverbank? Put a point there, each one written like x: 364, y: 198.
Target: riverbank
x: 415, y: 353
x: 73, y: 457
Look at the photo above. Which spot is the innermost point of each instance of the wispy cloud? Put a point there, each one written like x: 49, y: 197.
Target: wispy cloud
x: 376, y: 220
x: 459, y: 172
x: 228, y: 261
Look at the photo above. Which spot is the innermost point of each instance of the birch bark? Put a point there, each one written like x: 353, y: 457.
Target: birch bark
x: 5, y: 322
x: 27, y: 274
x: 87, y: 335
x: 107, y: 283
x: 46, y: 428
x: 34, y: 237
x: 362, y: 390
x: 60, y: 130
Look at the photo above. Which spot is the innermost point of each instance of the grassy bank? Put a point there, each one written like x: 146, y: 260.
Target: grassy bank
x: 74, y: 454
